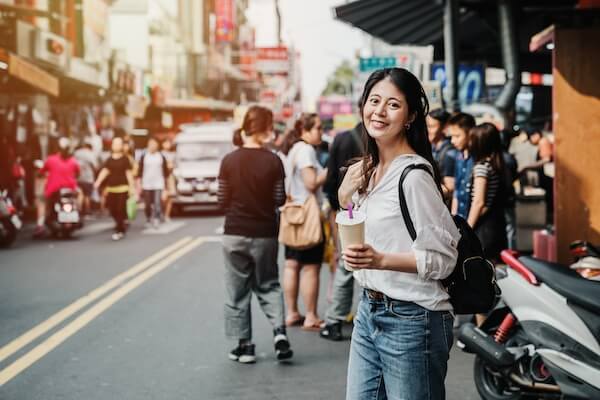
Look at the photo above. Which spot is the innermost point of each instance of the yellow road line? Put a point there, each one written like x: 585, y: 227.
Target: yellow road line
x: 82, y: 302
x: 73, y: 327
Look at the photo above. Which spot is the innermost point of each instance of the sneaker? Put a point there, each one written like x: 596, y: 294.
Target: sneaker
x: 148, y: 225
x: 332, y: 331
x: 117, y: 236
x: 243, y: 354
x: 283, y: 349
x: 155, y: 223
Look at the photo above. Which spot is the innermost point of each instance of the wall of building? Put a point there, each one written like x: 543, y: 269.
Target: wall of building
x: 577, y: 132
x: 129, y: 33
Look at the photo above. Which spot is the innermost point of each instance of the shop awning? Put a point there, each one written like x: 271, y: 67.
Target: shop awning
x: 418, y: 22
x: 415, y: 22
x: 30, y: 73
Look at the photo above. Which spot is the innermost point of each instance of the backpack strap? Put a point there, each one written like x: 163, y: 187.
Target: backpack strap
x: 402, y: 198
x: 165, y: 166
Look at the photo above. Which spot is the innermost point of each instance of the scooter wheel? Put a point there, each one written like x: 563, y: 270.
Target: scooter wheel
x: 491, y: 385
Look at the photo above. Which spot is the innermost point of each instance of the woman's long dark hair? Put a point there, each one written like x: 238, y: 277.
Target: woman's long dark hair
x: 305, y: 123
x: 257, y: 119
x: 416, y: 135
x: 485, y: 143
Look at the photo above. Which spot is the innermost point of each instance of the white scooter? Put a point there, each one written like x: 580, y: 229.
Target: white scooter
x: 543, y: 339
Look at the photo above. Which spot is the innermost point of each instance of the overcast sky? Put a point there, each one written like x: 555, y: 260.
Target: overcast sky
x: 309, y: 25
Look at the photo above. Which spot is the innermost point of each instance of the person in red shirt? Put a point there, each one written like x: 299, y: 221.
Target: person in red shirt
x: 61, y: 170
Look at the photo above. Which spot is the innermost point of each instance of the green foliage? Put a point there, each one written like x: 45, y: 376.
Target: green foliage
x: 340, y: 82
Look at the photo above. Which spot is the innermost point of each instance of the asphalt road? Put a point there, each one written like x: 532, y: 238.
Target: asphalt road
x: 137, y: 328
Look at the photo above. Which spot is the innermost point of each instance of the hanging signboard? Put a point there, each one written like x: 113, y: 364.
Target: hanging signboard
x: 224, y: 13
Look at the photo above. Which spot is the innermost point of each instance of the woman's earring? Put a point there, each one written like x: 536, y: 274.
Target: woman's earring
x: 407, y: 126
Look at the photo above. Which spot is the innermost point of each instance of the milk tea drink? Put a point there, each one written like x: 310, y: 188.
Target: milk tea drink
x: 351, y: 230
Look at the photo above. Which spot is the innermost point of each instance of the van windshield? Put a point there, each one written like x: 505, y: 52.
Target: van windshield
x: 202, y: 151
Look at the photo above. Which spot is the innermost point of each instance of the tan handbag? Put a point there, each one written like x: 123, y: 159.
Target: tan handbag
x: 300, y: 224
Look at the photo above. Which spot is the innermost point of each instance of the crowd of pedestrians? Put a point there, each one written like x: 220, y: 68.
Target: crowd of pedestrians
x: 106, y: 181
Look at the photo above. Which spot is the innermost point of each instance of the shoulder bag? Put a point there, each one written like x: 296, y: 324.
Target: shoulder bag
x: 300, y: 224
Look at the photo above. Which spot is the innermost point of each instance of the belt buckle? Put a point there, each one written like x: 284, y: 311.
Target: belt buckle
x: 374, y: 295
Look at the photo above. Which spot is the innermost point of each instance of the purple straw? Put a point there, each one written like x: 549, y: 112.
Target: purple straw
x: 350, y: 210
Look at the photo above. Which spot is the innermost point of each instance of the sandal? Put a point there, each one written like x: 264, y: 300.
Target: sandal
x: 314, y: 327
x: 295, y: 322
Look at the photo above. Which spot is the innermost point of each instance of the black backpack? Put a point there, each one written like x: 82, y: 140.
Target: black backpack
x: 472, y: 285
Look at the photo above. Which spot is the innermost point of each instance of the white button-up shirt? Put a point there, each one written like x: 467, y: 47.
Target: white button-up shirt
x: 437, y: 236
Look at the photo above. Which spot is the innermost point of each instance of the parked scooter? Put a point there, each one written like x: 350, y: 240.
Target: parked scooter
x: 63, y: 216
x: 543, y: 340
x: 10, y: 223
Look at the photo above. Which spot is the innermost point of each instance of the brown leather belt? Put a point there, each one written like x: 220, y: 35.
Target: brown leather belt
x: 374, y: 295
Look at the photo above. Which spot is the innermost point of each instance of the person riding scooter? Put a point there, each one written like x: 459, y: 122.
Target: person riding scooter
x: 61, y: 170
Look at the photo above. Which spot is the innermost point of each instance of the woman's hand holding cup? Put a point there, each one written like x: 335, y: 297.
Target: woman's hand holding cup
x: 362, y: 256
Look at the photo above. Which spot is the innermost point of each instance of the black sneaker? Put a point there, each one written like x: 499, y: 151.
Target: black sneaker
x: 283, y: 349
x: 332, y: 331
x: 243, y: 354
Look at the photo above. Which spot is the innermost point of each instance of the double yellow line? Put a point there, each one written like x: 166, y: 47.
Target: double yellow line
x: 140, y: 273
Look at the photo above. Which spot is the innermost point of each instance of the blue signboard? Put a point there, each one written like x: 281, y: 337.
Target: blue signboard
x: 375, y: 63
x: 471, y: 79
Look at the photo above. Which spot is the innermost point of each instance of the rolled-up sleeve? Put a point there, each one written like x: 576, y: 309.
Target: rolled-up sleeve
x: 435, y: 252
x: 435, y: 247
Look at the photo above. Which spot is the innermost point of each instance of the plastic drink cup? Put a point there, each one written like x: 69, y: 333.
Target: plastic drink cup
x: 351, y: 230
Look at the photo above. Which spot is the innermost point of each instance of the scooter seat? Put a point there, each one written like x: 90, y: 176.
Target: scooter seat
x: 567, y: 282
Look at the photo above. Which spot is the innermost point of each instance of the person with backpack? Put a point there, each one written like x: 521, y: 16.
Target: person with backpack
x: 443, y: 151
x: 403, y: 327
x: 251, y: 187
x: 346, y: 146
x: 153, y: 174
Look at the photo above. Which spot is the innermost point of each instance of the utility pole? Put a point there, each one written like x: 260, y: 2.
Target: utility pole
x: 278, y: 22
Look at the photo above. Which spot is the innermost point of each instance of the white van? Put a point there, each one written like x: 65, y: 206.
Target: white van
x: 200, y: 149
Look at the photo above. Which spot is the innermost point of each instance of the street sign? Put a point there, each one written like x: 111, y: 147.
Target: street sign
x: 370, y: 64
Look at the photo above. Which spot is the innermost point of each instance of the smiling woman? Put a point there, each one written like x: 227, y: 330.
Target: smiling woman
x: 403, y: 302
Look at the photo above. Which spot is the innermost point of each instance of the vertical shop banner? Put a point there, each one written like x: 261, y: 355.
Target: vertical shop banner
x: 225, y: 16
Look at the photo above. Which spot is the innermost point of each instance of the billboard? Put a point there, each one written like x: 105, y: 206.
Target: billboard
x: 224, y: 13
x: 471, y: 81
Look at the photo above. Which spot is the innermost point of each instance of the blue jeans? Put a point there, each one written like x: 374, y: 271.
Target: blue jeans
x: 399, y: 351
